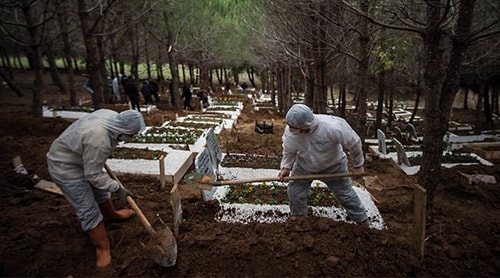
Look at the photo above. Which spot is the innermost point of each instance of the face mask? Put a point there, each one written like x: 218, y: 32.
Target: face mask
x: 294, y: 131
x: 125, y: 138
x: 297, y: 131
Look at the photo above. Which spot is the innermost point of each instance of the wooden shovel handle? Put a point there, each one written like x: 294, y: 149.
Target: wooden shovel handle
x: 289, y: 178
x: 132, y: 203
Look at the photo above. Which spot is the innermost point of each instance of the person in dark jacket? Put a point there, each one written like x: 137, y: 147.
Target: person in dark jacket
x: 187, y: 95
x: 155, y: 89
x: 147, y: 92
x: 132, y: 93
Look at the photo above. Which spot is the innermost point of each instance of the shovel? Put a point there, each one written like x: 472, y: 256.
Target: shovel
x: 165, y: 249
x: 207, y: 182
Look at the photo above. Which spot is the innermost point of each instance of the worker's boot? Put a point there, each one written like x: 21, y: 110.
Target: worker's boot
x: 100, y: 240
x: 109, y: 211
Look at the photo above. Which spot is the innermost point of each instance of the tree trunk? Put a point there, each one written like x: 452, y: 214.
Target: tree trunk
x: 5, y: 76
x: 54, y: 72
x: 380, y: 100
x: 36, y: 56
x: 62, y: 19
x: 440, y: 95
x: 172, y: 62
x: 92, y: 52
x: 363, y: 66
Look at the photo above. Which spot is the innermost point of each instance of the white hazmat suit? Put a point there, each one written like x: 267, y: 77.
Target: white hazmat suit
x: 76, y: 159
x: 315, y: 144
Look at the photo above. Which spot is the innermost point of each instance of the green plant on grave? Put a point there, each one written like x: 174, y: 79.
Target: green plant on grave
x: 275, y: 190
x: 266, y: 141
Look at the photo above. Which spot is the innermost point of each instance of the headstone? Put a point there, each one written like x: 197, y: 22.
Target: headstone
x: 398, y: 134
x: 402, y: 158
x: 204, y: 165
x: 214, y: 149
x: 412, y: 132
x: 381, y: 142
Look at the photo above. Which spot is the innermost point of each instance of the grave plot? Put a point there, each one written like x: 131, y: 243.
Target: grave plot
x: 170, y: 166
x: 487, y: 150
x: 265, y: 202
x: 205, y: 121
x: 190, y: 125
x: 234, y: 112
x: 169, y: 135
x: 238, y: 160
x: 268, y: 203
x: 457, y: 142
x: 229, y: 103
x: 70, y: 113
x: 409, y: 161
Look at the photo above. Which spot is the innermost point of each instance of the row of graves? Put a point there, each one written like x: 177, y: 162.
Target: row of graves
x: 463, y: 147
x: 166, y: 151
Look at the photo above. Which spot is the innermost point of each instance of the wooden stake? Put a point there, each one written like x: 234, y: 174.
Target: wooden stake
x: 419, y: 219
x: 175, y: 200
x: 162, y: 172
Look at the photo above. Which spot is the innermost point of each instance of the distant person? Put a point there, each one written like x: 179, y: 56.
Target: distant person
x: 155, y: 90
x: 88, y: 84
x: 244, y: 87
x: 227, y: 88
x: 203, y: 95
x: 187, y: 95
x: 316, y: 144
x: 147, y: 93
x: 132, y: 93
x: 116, y: 90
x: 75, y: 162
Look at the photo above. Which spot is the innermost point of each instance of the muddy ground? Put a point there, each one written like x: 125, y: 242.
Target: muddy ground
x: 40, y: 235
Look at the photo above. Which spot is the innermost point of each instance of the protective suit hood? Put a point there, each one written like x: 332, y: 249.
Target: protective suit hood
x: 128, y: 122
x: 301, y: 116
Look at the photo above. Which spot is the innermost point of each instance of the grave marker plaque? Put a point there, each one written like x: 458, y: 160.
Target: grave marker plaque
x: 398, y: 133
x: 381, y: 142
x: 214, y: 149
x: 412, y: 132
x: 203, y: 164
x: 402, y: 158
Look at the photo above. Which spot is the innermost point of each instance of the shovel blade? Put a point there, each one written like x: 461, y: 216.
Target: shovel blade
x: 199, y: 180
x: 164, y: 251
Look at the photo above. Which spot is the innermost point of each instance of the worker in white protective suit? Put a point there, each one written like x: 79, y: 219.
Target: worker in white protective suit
x: 315, y: 144
x: 76, y: 160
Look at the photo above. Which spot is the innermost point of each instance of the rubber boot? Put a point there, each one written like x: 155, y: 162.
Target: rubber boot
x: 109, y: 212
x: 100, y: 240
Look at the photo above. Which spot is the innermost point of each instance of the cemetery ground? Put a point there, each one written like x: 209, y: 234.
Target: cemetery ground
x: 40, y: 235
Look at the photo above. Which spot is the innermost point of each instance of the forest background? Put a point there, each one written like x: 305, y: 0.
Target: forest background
x: 427, y: 49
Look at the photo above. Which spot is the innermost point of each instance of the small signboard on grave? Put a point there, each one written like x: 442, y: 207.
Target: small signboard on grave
x: 402, y: 158
x: 204, y: 165
x: 398, y: 133
x: 412, y: 132
x: 381, y: 142
x: 214, y: 148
